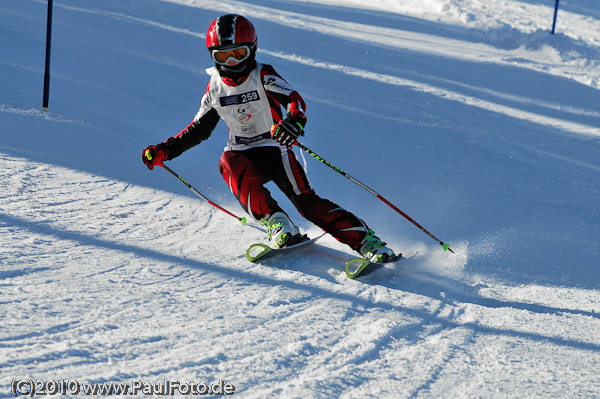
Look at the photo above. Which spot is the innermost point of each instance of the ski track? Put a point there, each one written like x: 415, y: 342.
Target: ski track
x: 82, y: 242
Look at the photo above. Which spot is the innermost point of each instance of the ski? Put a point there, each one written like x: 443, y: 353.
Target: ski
x: 356, y: 266
x: 259, y: 251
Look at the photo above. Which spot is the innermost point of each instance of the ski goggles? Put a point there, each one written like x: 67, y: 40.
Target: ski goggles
x: 235, y: 54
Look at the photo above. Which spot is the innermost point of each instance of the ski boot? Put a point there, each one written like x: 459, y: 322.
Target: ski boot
x: 375, y: 250
x: 282, y: 232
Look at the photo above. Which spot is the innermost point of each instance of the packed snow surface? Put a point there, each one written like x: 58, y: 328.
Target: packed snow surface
x: 468, y: 115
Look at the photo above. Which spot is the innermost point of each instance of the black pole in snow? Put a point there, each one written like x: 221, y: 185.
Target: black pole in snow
x: 47, y: 70
x: 555, y: 12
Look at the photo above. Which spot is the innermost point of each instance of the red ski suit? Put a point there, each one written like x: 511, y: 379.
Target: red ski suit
x: 250, y: 106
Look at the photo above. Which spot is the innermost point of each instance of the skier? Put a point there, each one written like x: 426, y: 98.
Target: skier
x: 250, y: 96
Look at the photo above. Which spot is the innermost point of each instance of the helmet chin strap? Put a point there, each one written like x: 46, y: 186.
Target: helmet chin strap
x: 237, y: 72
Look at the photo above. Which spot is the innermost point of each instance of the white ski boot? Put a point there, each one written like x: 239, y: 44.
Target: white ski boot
x: 375, y: 250
x: 281, y: 230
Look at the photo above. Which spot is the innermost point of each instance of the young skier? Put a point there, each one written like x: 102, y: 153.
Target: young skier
x: 249, y: 97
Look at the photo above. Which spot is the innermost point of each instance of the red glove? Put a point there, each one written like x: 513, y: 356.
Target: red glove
x: 287, y: 131
x: 154, y: 156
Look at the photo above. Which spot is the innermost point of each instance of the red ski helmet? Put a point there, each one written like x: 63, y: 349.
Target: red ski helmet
x: 231, y: 41
x: 230, y: 30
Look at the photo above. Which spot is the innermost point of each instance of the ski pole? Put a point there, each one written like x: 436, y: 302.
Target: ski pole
x: 320, y: 159
x: 242, y: 220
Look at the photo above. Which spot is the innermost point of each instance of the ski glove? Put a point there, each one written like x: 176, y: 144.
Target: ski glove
x: 153, y: 156
x: 287, y: 131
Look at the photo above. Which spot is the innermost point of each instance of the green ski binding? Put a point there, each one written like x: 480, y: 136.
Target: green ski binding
x: 258, y: 251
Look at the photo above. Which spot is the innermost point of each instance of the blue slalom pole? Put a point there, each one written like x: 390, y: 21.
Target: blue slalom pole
x: 47, y: 69
x: 555, y: 12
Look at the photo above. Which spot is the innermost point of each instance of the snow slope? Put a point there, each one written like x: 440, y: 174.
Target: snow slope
x: 472, y: 119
